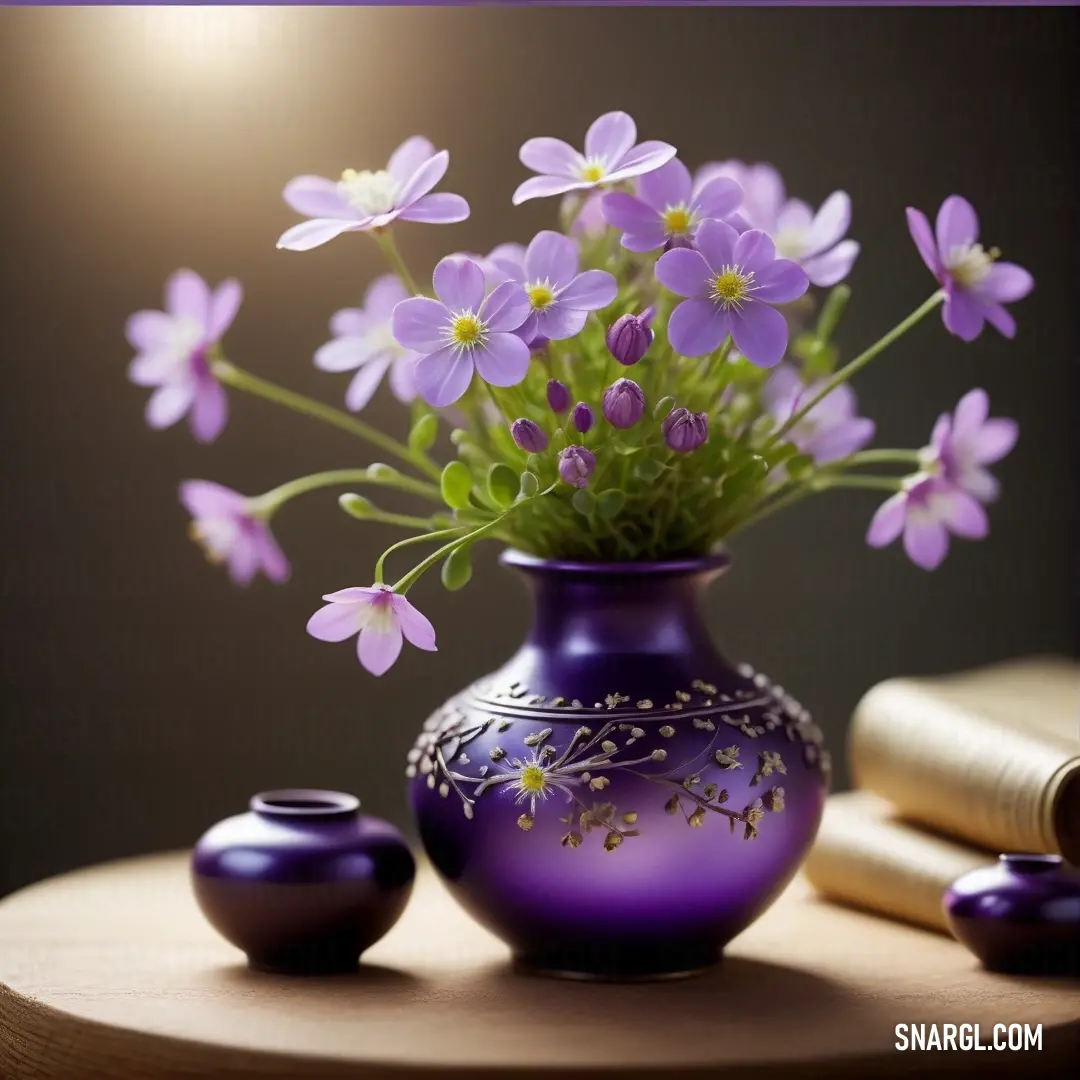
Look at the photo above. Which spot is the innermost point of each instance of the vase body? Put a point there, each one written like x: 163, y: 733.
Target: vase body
x: 1021, y: 916
x: 303, y: 882
x: 618, y: 801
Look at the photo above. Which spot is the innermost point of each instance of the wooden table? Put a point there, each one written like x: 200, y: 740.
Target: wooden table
x: 111, y: 972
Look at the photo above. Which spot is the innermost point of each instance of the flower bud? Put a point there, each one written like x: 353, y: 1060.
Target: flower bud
x: 685, y: 431
x: 624, y: 403
x: 529, y: 436
x: 576, y: 465
x: 538, y: 344
x: 628, y: 339
x: 583, y: 417
x: 558, y: 396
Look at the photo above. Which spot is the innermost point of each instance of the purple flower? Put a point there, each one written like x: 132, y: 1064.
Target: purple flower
x: 975, y: 284
x: 576, y: 465
x: 560, y: 298
x: 529, y: 436
x: 380, y: 616
x: 628, y: 338
x: 963, y: 443
x: 584, y: 417
x: 624, y: 403
x: 172, y: 347
x: 926, y: 511
x: 669, y: 207
x: 731, y: 281
x: 814, y: 240
x: 610, y: 156
x: 364, y: 342
x: 224, y: 524
x: 685, y: 431
x: 360, y: 201
x: 463, y: 330
x: 558, y: 396
x: 831, y: 430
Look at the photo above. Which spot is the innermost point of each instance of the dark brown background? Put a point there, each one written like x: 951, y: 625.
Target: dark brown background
x: 143, y: 696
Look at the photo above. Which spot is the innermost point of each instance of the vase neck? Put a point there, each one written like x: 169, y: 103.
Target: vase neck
x: 614, y: 617
x: 649, y: 614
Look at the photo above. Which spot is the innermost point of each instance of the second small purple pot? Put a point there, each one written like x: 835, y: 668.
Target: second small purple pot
x: 1021, y: 916
x: 618, y: 801
x: 303, y: 882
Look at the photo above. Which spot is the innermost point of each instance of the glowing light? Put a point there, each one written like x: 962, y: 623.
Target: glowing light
x: 202, y: 45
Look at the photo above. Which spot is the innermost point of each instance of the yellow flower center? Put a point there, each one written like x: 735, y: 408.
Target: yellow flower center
x: 370, y: 192
x: 676, y: 220
x: 466, y: 330
x: 532, y: 780
x: 731, y: 287
x: 970, y: 263
x: 592, y: 171
x: 541, y: 296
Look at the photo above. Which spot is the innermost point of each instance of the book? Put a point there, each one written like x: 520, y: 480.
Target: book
x: 867, y: 857
x: 989, y: 757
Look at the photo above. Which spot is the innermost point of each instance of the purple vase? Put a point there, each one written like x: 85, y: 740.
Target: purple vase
x: 618, y: 801
x: 1020, y: 916
x: 303, y: 882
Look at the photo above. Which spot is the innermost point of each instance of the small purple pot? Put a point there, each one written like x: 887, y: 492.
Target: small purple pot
x: 303, y: 882
x: 618, y: 800
x: 1021, y: 916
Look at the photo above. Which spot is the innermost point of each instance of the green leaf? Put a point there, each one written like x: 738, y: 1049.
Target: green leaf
x: 478, y: 500
x: 503, y: 484
x: 609, y: 503
x: 471, y: 516
x: 530, y: 485
x: 457, y: 568
x: 559, y: 441
x: 780, y: 454
x: 357, y: 506
x: 423, y: 433
x: 663, y: 407
x: 625, y: 449
x: 504, y: 443
x: 456, y: 484
x: 650, y: 469
x: 799, y: 464
x: 584, y: 502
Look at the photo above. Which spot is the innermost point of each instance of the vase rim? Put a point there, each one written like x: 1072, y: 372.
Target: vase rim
x: 522, y: 560
x: 304, y: 803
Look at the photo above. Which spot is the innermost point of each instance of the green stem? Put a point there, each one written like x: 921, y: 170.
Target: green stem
x: 229, y: 374
x: 875, y: 483
x: 402, y: 585
x: 883, y: 457
x: 269, y: 502
x: 768, y: 509
x: 405, y: 583
x: 858, y: 364
x: 814, y: 485
x: 438, y: 535
x: 406, y: 521
x: 385, y: 240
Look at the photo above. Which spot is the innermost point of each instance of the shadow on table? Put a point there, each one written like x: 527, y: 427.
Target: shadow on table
x: 734, y: 986
x: 367, y: 977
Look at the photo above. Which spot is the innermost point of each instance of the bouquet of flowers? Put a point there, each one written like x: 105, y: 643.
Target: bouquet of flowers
x: 643, y: 383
